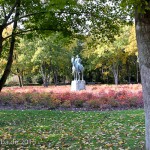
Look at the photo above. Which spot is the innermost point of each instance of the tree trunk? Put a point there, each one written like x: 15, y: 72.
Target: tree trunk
x: 45, y: 71
x: 20, y: 81
x: 1, y: 39
x: 115, y: 72
x: 64, y: 79
x: 12, y: 45
x: 8, y: 65
x: 137, y: 72
x: 142, y: 22
x: 116, y: 79
x: 46, y: 82
x: 55, y: 75
x: 20, y: 77
x: 128, y: 72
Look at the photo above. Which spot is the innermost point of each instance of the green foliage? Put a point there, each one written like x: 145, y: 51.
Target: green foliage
x: 114, y: 51
x: 39, y: 129
x: 98, y: 20
x: 135, y: 5
x: 52, y: 54
x: 68, y: 16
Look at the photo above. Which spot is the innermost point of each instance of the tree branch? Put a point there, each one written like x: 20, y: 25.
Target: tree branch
x: 4, y: 11
x: 34, y: 29
x: 55, y: 12
x: 10, y: 13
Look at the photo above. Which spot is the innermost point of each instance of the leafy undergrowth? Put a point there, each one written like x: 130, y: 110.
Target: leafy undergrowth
x: 43, y: 129
x: 99, y: 97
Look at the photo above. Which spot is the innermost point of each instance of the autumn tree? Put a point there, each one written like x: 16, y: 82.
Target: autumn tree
x: 95, y: 15
x: 108, y: 56
x: 51, y: 57
x: 141, y: 11
x: 81, y: 17
x: 22, y: 65
x: 27, y: 16
x: 132, y: 52
x: 142, y: 25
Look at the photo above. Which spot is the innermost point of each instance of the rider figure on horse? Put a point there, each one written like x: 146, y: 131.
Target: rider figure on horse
x: 77, y: 68
x: 78, y: 59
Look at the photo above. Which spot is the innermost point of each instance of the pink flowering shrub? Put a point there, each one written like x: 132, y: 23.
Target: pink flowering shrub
x: 94, y: 97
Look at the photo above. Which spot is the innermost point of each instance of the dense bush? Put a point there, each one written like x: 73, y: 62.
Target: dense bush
x: 98, y: 97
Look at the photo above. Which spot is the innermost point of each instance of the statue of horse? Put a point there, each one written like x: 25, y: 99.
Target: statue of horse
x: 77, y: 68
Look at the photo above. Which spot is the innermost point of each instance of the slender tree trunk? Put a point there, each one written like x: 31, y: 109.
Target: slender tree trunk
x: 1, y: 39
x: 12, y: 45
x: 116, y: 79
x: 137, y: 72
x: 55, y: 74
x: 20, y: 81
x: 64, y: 79
x: 115, y: 72
x: 102, y: 75
x: 44, y: 76
x: 46, y: 81
x: 107, y: 78
x: 45, y: 71
x: 128, y: 72
x: 143, y: 39
x: 20, y: 77
x: 8, y: 65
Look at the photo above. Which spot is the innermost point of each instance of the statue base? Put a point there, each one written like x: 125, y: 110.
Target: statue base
x: 77, y: 85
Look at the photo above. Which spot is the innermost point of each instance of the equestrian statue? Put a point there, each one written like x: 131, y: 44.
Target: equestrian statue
x: 77, y: 68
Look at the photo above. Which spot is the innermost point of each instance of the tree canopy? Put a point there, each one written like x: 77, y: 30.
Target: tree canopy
x: 100, y: 19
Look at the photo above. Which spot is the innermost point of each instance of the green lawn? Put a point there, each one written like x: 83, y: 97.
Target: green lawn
x: 43, y: 129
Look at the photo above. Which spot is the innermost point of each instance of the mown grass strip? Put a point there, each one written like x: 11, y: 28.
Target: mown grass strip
x: 43, y: 129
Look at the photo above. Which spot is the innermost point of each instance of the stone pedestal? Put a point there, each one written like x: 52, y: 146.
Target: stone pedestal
x: 77, y: 85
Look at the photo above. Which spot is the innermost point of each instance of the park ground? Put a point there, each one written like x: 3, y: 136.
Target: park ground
x: 43, y: 129
x: 56, y: 124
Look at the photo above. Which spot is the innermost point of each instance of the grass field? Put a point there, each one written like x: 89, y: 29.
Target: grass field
x: 43, y: 129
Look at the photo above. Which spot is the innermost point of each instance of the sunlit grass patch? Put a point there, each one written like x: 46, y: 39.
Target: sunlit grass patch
x: 43, y: 129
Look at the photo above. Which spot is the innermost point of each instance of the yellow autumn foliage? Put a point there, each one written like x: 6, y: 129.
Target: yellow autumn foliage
x: 7, y: 31
x: 131, y: 48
